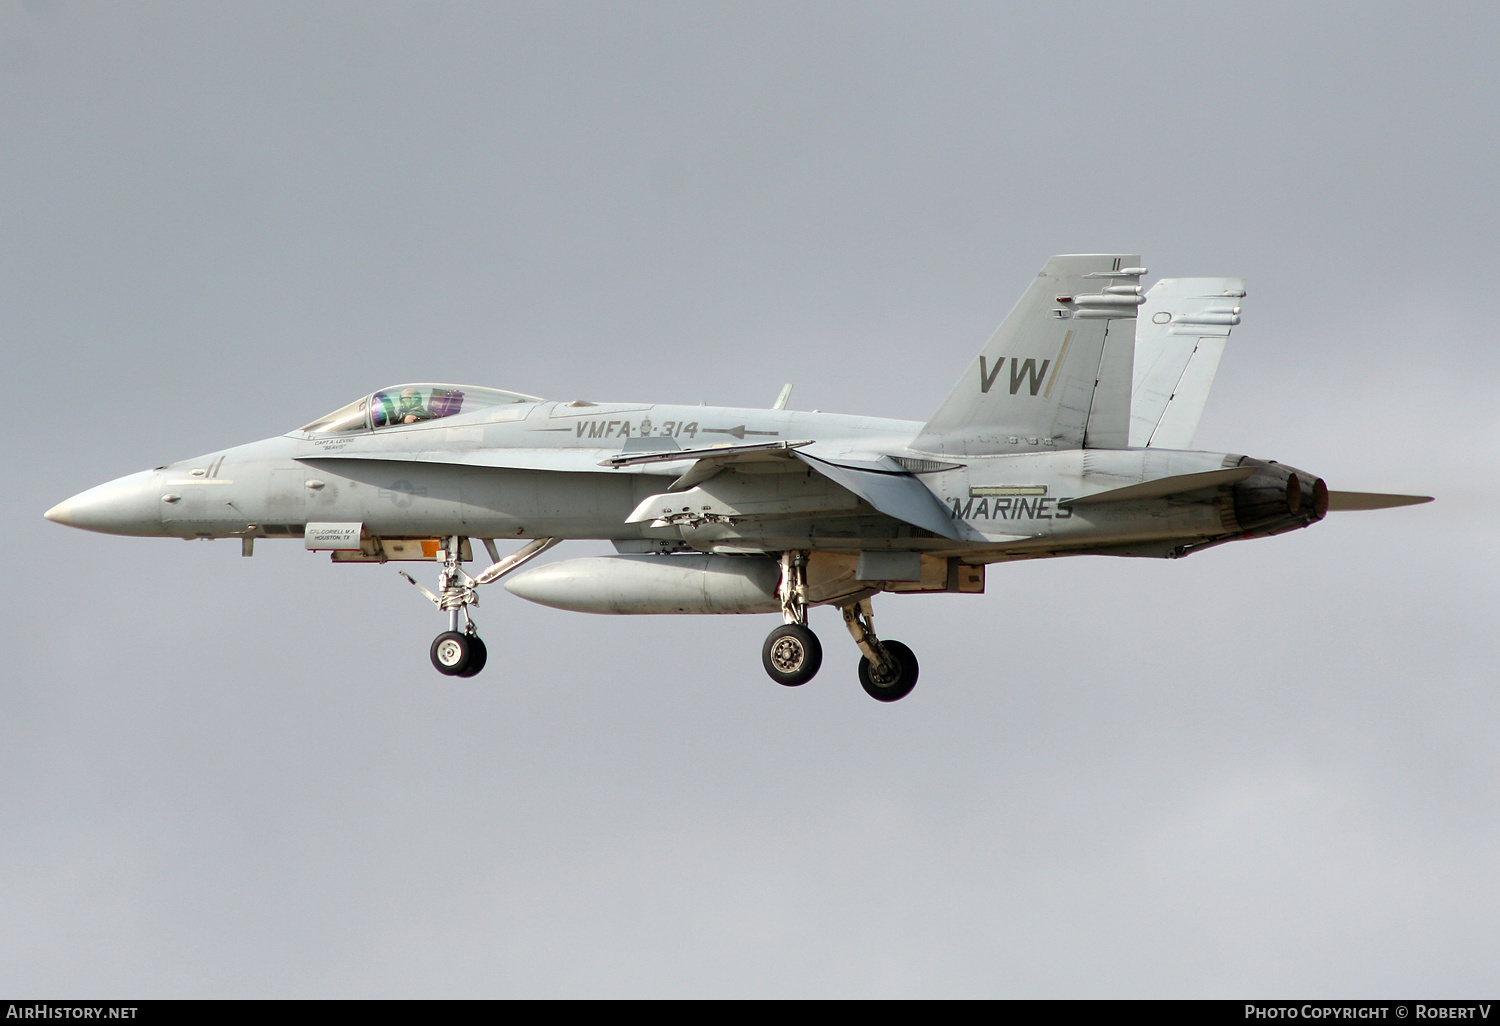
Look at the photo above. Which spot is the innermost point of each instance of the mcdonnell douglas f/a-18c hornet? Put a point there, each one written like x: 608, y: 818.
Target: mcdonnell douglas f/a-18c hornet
x: 1070, y: 434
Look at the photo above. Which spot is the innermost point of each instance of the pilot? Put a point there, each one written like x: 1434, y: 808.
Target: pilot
x: 409, y: 408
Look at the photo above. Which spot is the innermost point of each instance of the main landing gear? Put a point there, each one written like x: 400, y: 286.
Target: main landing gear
x: 462, y: 653
x: 887, y: 669
x: 792, y: 653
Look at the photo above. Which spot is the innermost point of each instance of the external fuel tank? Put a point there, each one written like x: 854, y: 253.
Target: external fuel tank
x: 693, y: 583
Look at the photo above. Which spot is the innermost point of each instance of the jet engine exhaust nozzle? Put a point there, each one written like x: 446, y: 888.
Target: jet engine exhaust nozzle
x: 1277, y: 498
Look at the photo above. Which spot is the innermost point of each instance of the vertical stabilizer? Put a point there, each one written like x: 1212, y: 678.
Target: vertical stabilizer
x: 1180, y: 337
x: 1033, y: 386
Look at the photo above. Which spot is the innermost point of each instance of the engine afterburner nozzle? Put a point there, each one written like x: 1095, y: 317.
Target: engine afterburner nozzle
x: 1277, y: 498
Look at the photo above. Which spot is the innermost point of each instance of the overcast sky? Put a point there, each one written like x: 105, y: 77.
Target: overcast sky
x: 1271, y: 769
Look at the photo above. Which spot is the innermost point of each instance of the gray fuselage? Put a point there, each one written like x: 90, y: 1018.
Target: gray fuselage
x: 532, y: 470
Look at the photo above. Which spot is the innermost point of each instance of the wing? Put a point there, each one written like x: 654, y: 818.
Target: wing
x: 1179, y: 339
x: 1057, y: 372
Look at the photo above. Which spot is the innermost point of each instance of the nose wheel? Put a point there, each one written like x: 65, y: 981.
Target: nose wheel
x: 459, y: 655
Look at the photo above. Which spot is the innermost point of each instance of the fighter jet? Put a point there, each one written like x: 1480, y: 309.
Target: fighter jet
x: 1071, y: 433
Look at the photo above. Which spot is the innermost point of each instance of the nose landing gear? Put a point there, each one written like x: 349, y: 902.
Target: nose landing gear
x: 459, y: 655
x: 462, y: 653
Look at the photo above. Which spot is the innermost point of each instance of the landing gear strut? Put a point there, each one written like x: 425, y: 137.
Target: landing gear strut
x: 792, y: 653
x: 461, y: 653
x: 887, y: 669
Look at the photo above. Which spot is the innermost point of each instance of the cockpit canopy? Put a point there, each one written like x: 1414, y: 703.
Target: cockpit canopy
x: 412, y: 404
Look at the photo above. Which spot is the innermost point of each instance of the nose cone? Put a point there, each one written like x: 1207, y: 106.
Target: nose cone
x: 127, y: 505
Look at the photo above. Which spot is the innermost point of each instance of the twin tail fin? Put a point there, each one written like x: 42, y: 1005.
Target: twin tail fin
x: 1057, y: 373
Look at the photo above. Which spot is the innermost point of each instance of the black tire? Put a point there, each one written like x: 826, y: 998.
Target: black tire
x: 478, y: 656
x: 451, y: 652
x: 905, y: 680
x: 792, y: 655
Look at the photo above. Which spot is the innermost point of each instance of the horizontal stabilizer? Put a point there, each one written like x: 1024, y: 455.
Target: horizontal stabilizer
x: 1339, y: 502
x: 1164, y: 486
